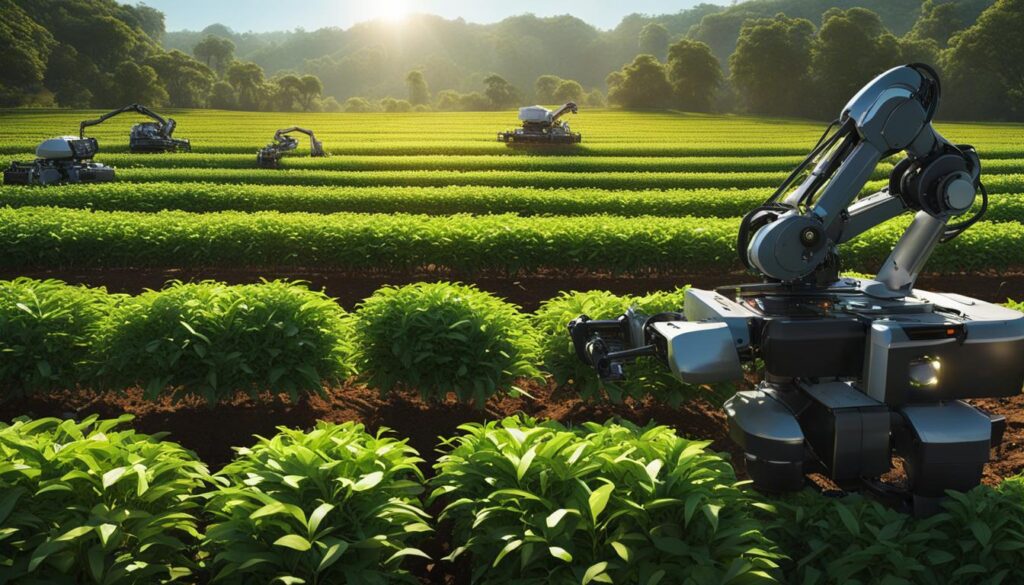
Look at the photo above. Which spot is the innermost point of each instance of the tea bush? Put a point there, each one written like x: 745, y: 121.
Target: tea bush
x: 89, y: 502
x: 46, y: 330
x: 442, y: 338
x: 645, y: 376
x: 212, y: 340
x: 332, y: 505
x: 534, y: 503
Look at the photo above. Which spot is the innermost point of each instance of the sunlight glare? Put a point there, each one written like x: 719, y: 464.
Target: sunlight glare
x: 394, y: 10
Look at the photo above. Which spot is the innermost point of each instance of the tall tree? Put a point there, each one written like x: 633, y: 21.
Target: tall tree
x: 188, y: 81
x: 545, y: 87
x: 500, y: 92
x: 569, y: 90
x: 640, y: 84
x: 852, y: 47
x: 983, y: 66
x: 419, y: 92
x: 695, y: 75
x: 216, y: 52
x: 771, y: 67
x: 310, y: 88
x: 654, y: 39
x: 133, y: 83
x: 24, y: 50
x: 247, y: 79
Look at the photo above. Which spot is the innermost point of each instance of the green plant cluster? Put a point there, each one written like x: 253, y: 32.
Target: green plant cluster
x: 43, y: 237
x: 519, y: 500
x: 977, y: 538
x: 489, y: 178
x: 89, y: 502
x: 46, y: 332
x: 213, y: 340
x: 206, y: 339
x: 443, y: 337
x: 332, y: 505
x: 537, y: 503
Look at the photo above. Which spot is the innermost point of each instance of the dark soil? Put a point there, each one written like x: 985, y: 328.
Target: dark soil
x: 212, y: 431
x: 525, y: 291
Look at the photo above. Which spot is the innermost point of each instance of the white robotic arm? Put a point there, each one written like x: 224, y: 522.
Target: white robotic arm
x: 794, y: 235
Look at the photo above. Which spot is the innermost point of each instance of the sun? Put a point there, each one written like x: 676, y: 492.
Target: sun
x: 394, y: 10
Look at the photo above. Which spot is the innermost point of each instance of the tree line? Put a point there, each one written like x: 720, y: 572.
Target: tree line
x: 99, y: 53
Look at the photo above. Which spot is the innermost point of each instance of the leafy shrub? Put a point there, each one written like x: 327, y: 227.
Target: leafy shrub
x: 646, y: 376
x: 46, y: 328
x: 977, y: 538
x: 534, y: 503
x: 334, y: 505
x: 442, y: 338
x: 211, y: 340
x: 85, y: 502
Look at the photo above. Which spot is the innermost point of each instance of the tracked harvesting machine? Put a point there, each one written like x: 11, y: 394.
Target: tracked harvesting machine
x: 145, y: 137
x: 269, y: 156
x: 855, y: 370
x: 64, y: 159
x: 542, y: 126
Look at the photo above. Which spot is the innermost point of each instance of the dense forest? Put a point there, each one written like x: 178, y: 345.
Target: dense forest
x: 779, y: 57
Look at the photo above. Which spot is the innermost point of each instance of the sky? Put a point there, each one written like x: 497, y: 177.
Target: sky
x: 273, y: 15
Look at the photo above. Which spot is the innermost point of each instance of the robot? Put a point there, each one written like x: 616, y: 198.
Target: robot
x: 145, y: 137
x: 855, y: 370
x: 269, y: 156
x: 542, y: 126
x: 65, y: 159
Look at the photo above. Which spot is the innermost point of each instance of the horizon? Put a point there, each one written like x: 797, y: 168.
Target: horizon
x: 264, y: 16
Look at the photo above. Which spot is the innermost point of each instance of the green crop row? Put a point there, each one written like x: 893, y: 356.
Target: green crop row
x: 519, y: 502
x: 568, y: 163
x: 34, y: 237
x: 554, y: 180
x: 209, y: 340
x: 212, y: 340
x: 394, y: 146
x: 523, y: 201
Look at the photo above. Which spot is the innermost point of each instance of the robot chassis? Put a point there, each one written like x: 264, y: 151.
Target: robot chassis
x: 856, y: 370
x: 542, y: 126
x: 67, y: 159
x: 269, y: 156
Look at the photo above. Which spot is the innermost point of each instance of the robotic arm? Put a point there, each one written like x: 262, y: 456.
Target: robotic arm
x: 569, y: 107
x: 166, y: 126
x: 316, y: 148
x: 793, y: 236
x: 145, y: 137
x: 792, y: 239
x: 269, y: 156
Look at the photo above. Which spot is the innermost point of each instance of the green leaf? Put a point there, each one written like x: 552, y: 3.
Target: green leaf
x: 981, y: 531
x: 598, y: 499
x: 846, y: 516
x: 293, y: 541
x: 596, y: 570
x: 560, y: 553
x: 332, y: 555
x: 511, y: 546
x: 111, y: 477
x: 555, y: 517
x: 106, y: 531
x: 368, y: 481
x: 622, y: 550
x: 406, y: 552
x: 317, y: 517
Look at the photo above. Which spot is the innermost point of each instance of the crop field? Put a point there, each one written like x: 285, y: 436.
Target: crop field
x: 413, y: 411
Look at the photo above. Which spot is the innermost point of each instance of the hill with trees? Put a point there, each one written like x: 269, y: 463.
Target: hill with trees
x: 777, y: 57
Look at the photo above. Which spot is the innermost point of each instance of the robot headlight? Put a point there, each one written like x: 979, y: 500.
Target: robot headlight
x: 924, y: 372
